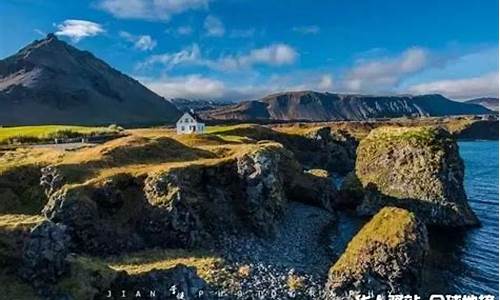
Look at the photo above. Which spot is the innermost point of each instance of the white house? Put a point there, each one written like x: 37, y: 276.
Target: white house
x: 189, y: 123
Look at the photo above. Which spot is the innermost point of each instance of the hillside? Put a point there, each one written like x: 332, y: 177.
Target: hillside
x: 183, y: 104
x: 314, y: 106
x: 51, y: 82
x: 489, y: 103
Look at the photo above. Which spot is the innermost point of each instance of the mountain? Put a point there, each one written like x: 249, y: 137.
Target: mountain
x: 198, y: 105
x: 489, y: 103
x: 51, y: 82
x: 314, y: 106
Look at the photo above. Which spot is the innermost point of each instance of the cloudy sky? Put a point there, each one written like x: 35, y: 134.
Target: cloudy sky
x: 244, y: 49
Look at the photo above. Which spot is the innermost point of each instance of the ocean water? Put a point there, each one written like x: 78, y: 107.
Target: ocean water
x: 466, y: 262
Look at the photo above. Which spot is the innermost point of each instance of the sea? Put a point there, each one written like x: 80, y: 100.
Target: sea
x: 460, y: 262
x: 466, y: 262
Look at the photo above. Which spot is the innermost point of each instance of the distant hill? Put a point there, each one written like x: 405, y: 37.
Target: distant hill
x: 314, y: 106
x: 489, y: 103
x: 51, y: 82
x: 198, y: 105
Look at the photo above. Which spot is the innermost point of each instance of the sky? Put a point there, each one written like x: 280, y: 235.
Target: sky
x: 245, y: 49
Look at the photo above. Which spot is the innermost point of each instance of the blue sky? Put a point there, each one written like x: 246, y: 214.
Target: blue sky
x: 244, y: 49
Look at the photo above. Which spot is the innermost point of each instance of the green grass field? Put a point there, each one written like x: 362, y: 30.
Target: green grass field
x: 33, y: 134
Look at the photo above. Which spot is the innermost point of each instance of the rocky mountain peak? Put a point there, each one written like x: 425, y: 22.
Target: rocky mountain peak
x: 51, y: 81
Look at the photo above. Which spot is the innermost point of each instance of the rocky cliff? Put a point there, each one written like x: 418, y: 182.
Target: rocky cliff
x: 416, y: 168
x: 51, y: 82
x: 314, y: 106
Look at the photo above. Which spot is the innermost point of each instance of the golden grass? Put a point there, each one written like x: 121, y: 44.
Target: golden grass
x: 206, y: 263
x: 10, y: 222
x: 28, y: 156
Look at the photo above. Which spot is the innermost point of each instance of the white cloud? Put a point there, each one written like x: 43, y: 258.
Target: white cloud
x: 384, y: 74
x: 273, y: 55
x: 465, y: 88
x: 325, y: 83
x: 141, y: 42
x: 78, y: 29
x: 196, y: 86
x: 312, y: 29
x: 213, y: 26
x: 190, y: 86
x: 187, y: 56
x: 149, y: 9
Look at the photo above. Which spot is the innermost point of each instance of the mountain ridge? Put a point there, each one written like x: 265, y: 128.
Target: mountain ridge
x: 316, y: 106
x: 490, y: 103
x: 52, y: 82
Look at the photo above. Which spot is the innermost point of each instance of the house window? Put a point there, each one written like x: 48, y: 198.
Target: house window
x: 182, y: 128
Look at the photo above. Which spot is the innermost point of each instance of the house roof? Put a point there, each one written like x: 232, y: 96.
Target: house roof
x: 195, y: 116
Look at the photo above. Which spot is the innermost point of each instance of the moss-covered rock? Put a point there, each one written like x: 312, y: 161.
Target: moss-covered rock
x: 417, y: 168
x: 102, y: 217
x: 386, y: 256
x: 242, y: 193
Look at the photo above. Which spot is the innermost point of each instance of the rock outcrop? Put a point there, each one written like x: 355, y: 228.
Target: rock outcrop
x: 102, y: 218
x: 333, y: 150
x: 386, y: 256
x: 44, y: 256
x: 179, y: 207
x: 246, y: 193
x: 417, y: 168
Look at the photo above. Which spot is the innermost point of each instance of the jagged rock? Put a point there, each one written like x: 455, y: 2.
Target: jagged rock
x: 262, y: 184
x: 44, y: 256
x: 180, y: 207
x: 51, y: 180
x: 245, y: 193
x: 385, y: 257
x: 101, y: 219
x: 336, y: 151
x: 417, y: 168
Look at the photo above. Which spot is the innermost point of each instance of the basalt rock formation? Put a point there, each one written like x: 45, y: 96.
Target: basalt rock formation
x: 184, y: 206
x: 385, y: 257
x: 44, y: 256
x: 417, y: 168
